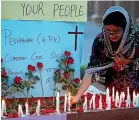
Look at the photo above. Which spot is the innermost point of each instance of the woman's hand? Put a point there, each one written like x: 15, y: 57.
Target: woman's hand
x: 121, y: 60
x: 74, y: 99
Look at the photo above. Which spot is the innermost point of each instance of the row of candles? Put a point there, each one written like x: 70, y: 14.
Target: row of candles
x: 67, y: 102
x: 20, y: 111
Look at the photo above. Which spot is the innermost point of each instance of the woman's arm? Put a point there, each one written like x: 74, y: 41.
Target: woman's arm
x: 87, y: 80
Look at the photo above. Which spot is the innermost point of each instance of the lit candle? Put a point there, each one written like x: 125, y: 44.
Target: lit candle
x: 38, y: 108
x: 57, y: 103
x: 107, y: 94
x: 134, y: 98
x: 3, y: 108
x: 20, y: 111
x: 100, y: 102
x: 85, y: 105
x: 117, y: 99
x: 121, y: 98
x: 113, y: 94
x: 27, y: 111
x: 90, y: 103
x: 94, y: 102
x: 109, y: 104
x: 65, y: 104
x: 69, y: 98
x: 128, y: 99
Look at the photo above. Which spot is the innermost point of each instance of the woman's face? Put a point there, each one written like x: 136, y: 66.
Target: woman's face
x: 114, y: 33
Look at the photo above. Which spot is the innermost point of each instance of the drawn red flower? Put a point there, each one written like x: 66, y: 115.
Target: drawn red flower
x: 58, y: 72
x: 18, y: 80
x: 31, y: 68
x: 3, y: 73
x: 67, y: 53
x: 66, y: 75
x: 70, y: 60
x: 40, y: 65
x: 77, y: 80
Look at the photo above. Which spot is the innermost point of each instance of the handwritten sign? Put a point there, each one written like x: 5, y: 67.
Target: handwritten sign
x: 45, y: 10
x: 29, y: 42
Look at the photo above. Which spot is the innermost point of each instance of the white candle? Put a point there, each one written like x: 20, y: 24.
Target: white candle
x: 128, y: 99
x: 65, y: 103
x: 57, y: 103
x: 137, y: 100
x: 94, y: 102
x: 90, y: 103
x: 3, y: 108
x: 128, y: 91
x: 121, y: 98
x: 38, y: 108
x: 107, y: 95
x: 85, y: 105
x: 27, y: 110
x: 109, y: 104
x: 20, y: 111
x: 113, y: 94
x: 100, y: 102
x: 117, y: 99
x: 69, y: 98
x: 134, y: 98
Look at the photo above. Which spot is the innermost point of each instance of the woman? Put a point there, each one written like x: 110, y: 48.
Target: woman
x: 114, y: 60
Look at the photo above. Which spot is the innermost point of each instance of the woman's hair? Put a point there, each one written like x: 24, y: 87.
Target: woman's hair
x: 115, y: 18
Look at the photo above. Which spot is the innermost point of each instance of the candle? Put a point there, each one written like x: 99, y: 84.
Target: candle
x: 90, y: 103
x: 85, y: 105
x: 57, y: 103
x: 134, y: 98
x: 113, y: 94
x: 137, y: 100
x: 121, y: 98
x: 107, y: 94
x: 65, y: 104
x: 128, y: 91
x: 109, y: 104
x: 20, y: 111
x: 128, y: 99
x: 117, y: 99
x: 94, y: 102
x: 100, y: 102
x: 38, y: 108
x: 27, y: 111
x: 3, y: 108
x: 69, y: 98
